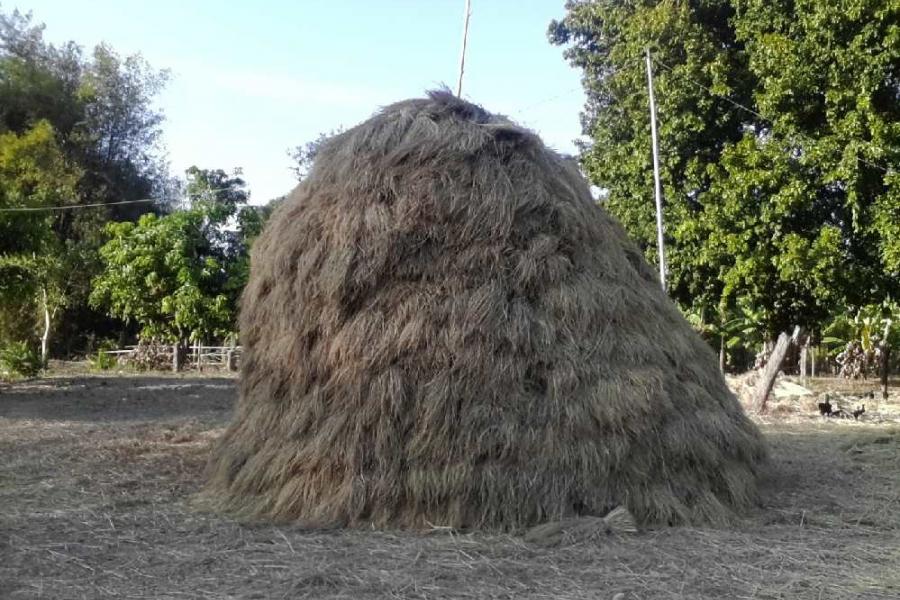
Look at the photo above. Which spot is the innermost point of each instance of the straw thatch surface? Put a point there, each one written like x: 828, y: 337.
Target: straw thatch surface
x: 441, y: 327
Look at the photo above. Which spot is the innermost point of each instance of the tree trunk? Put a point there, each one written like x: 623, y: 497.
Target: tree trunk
x: 177, y: 357
x: 803, y: 357
x: 770, y: 372
x: 722, y: 353
x: 885, y: 363
x: 812, y: 365
x: 45, y: 337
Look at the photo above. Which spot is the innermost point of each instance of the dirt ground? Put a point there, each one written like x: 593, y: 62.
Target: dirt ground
x: 97, y: 474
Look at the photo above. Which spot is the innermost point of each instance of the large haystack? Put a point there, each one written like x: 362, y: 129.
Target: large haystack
x: 441, y: 327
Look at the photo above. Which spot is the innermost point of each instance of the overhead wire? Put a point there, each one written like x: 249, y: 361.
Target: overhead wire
x: 795, y: 137
x: 559, y: 95
x: 810, y: 141
x: 91, y: 205
x: 72, y: 206
x: 556, y: 96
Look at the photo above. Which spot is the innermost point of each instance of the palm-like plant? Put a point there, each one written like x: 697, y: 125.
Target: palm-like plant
x: 732, y: 328
x: 863, y: 341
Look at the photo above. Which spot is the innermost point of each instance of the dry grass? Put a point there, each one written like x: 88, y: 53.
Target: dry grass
x: 843, y: 394
x: 97, y: 475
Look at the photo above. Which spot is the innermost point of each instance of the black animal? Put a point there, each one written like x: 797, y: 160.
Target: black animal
x: 826, y: 409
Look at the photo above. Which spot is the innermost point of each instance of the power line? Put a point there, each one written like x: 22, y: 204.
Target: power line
x: 559, y: 95
x: 72, y: 206
x: 94, y: 205
x: 791, y: 137
x: 552, y: 98
x: 710, y: 90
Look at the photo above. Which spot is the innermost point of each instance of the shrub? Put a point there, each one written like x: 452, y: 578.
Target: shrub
x: 19, y: 359
x: 103, y: 361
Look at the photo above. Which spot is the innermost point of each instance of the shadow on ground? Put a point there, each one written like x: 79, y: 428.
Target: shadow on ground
x: 138, y: 398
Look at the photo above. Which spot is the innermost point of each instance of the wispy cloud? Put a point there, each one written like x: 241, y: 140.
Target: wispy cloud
x: 282, y: 87
x: 279, y: 86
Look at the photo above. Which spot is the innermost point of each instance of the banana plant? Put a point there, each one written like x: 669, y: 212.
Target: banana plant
x: 739, y: 327
x: 864, y: 340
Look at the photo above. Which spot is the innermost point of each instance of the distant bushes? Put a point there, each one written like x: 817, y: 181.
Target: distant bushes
x: 19, y: 359
x: 102, y: 360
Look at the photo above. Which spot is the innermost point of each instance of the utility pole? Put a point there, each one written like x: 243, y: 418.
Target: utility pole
x: 657, y: 185
x: 462, y: 55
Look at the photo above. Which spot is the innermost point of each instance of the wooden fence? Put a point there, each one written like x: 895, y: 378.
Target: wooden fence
x: 197, y: 357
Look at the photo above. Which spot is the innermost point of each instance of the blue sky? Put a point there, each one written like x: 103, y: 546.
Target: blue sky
x: 251, y: 79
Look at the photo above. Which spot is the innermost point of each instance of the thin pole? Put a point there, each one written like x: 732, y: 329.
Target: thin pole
x: 657, y: 185
x: 462, y: 55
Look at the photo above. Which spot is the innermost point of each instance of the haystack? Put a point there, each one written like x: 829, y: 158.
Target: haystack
x: 442, y: 327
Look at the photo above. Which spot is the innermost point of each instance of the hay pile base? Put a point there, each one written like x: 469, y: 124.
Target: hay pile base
x: 441, y: 326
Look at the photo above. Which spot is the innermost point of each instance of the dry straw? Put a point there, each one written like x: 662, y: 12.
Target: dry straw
x: 442, y: 327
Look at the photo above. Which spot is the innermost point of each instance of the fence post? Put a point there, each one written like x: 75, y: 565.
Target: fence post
x: 804, y: 349
x: 177, y: 356
x: 230, y: 355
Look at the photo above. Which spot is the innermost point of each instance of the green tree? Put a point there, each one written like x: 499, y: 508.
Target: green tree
x: 179, y: 276
x: 779, y: 121
x: 607, y: 41
x: 221, y: 193
x: 770, y: 244
x: 100, y: 109
x: 304, y: 155
x: 231, y: 225
x: 163, y: 274
x: 37, y: 80
x: 828, y: 77
x: 250, y: 222
x: 118, y: 138
x: 36, y: 262
x: 730, y: 329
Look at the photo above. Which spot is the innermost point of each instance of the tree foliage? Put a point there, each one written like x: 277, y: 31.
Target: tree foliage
x: 101, y: 108
x: 779, y: 131
x: 75, y: 130
x: 304, y: 155
x: 36, y: 260
x: 164, y: 274
x: 179, y: 276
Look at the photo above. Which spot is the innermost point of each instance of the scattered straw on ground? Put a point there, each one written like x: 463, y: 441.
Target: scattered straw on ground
x: 97, y: 475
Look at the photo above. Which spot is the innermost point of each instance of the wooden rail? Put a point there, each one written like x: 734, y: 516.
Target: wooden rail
x: 197, y: 356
